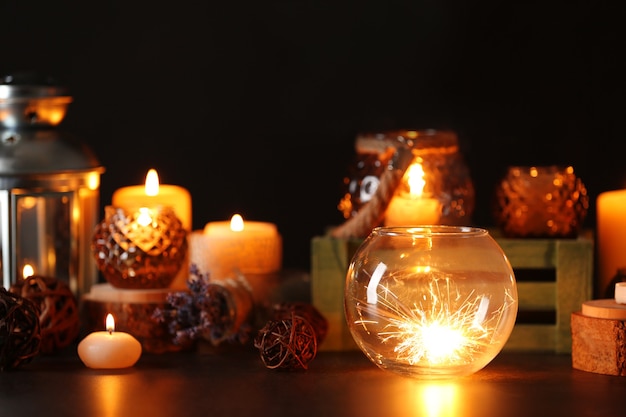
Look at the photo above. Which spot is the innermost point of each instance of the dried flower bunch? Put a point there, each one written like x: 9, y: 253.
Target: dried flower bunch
x: 20, y: 335
x: 210, y: 310
x: 289, y: 340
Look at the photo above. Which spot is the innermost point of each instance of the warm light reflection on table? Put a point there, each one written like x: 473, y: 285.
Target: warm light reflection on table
x: 336, y: 384
x: 110, y: 396
x: 438, y: 399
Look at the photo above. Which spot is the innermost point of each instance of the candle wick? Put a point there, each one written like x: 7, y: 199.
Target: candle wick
x: 110, y: 330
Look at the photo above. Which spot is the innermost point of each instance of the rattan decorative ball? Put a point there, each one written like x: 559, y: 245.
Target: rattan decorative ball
x: 289, y: 341
x: 20, y: 335
x: 58, y: 310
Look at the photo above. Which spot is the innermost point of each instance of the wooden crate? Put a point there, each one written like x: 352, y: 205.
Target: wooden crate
x: 555, y: 276
x: 569, y: 265
x: 329, y: 265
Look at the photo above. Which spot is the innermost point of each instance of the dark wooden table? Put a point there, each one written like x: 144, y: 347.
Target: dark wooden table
x: 236, y: 383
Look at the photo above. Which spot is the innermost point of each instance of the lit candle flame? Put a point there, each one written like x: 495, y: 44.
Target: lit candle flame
x: 236, y: 223
x: 415, y: 179
x: 110, y: 323
x: 152, y: 182
x: 28, y: 271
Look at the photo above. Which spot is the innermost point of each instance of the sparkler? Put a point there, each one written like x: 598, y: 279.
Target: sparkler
x: 444, y: 327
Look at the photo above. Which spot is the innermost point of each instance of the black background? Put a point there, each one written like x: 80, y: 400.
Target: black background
x: 254, y: 106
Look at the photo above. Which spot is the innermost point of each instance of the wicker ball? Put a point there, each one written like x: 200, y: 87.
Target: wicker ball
x: 20, y: 335
x: 287, y: 344
x: 289, y: 341
x: 58, y: 310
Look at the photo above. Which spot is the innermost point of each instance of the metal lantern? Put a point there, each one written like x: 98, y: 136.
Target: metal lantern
x: 49, y: 187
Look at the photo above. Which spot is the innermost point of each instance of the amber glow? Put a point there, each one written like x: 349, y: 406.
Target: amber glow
x: 533, y: 172
x: 28, y: 203
x: 236, y: 223
x: 110, y: 323
x: 152, y: 182
x: 28, y: 271
x: 145, y: 217
x: 111, y: 393
x: 440, y: 400
x: 93, y: 181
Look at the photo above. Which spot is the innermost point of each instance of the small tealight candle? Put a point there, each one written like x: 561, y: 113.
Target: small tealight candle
x: 250, y: 247
x: 109, y: 349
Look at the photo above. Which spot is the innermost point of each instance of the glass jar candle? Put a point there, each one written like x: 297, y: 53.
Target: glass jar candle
x: 446, y: 192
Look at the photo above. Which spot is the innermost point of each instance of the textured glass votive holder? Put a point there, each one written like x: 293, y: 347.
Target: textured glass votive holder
x: 540, y: 202
x: 140, y: 250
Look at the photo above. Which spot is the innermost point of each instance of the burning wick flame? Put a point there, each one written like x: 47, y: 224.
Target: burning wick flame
x: 439, y: 333
x: 236, y: 223
x: 110, y: 323
x: 152, y: 182
x: 415, y: 179
x: 28, y: 271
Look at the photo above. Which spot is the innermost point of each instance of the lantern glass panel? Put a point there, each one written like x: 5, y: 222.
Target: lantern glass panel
x: 43, y: 238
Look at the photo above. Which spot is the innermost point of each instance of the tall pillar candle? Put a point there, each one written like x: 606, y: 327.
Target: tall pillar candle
x: 611, y: 237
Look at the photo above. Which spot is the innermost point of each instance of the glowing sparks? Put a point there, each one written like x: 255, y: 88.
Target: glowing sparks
x: 444, y: 327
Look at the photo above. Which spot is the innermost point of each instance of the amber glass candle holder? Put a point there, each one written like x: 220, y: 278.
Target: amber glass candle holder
x: 540, y: 202
x: 430, y: 301
x: 448, y: 183
x: 143, y: 249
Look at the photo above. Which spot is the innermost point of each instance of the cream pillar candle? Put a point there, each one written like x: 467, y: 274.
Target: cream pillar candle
x: 225, y: 247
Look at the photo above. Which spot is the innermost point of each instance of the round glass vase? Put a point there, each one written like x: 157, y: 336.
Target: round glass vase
x: 431, y: 301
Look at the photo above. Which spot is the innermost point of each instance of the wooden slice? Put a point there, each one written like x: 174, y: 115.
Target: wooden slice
x: 604, y: 309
